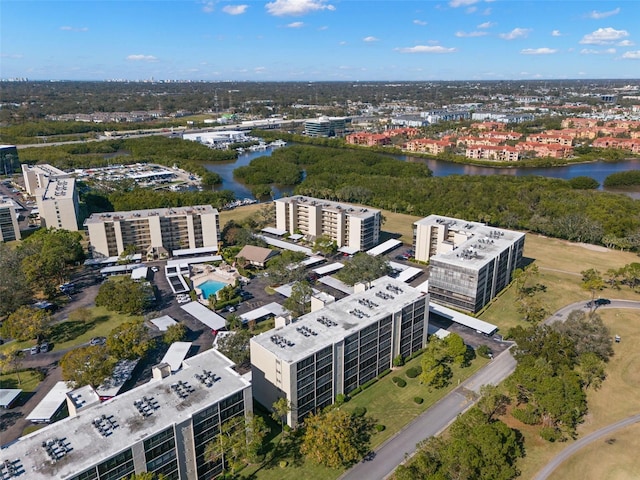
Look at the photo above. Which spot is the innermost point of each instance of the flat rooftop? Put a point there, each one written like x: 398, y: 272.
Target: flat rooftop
x: 338, y: 207
x: 338, y: 320
x: 86, y: 446
x: 58, y: 188
x: 160, y: 212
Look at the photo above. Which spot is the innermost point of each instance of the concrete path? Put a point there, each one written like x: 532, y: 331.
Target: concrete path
x: 583, y: 442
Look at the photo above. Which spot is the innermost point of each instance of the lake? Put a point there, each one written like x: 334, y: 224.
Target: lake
x: 596, y: 170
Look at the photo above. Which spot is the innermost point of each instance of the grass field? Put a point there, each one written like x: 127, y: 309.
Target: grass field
x: 616, y: 399
x: 29, y: 380
x: 239, y: 214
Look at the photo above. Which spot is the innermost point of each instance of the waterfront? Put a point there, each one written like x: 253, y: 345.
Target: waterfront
x: 596, y: 170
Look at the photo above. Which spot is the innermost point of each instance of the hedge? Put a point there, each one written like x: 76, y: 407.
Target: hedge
x: 413, y: 372
x: 418, y: 400
x: 399, y: 382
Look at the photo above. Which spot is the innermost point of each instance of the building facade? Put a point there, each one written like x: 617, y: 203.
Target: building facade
x: 9, y: 229
x: 155, y: 232
x: 470, y: 262
x: 161, y: 427
x: 9, y: 161
x: 37, y: 176
x: 339, y: 347
x: 348, y: 225
x: 325, y: 127
x: 58, y: 203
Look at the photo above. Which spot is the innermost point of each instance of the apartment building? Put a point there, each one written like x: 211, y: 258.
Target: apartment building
x: 470, y: 262
x: 161, y: 427
x: 155, y: 233
x: 37, y: 176
x: 348, y: 225
x: 58, y: 203
x: 499, y: 153
x: 325, y: 127
x: 337, y: 348
x: 427, y: 145
x: 9, y: 229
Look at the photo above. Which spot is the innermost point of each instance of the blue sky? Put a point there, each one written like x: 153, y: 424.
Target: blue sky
x: 317, y: 40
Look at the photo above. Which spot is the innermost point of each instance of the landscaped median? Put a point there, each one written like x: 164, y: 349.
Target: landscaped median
x: 388, y: 403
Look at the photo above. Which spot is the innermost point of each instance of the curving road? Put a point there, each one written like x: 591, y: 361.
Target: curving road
x: 562, y: 314
x: 592, y: 437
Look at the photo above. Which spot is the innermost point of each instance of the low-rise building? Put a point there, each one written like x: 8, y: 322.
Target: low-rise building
x: 470, y: 262
x: 155, y: 233
x: 348, y: 225
x: 337, y: 348
x: 161, y: 427
x: 427, y: 145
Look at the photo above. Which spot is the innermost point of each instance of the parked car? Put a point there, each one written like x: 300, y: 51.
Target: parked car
x: 44, y: 347
x: 603, y: 301
x: 35, y: 350
x: 98, y: 341
x: 154, y: 269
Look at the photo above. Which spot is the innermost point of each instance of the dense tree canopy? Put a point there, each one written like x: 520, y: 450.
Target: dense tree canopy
x: 26, y: 323
x: 587, y: 332
x: 87, y: 366
x: 236, y: 347
x: 125, y: 295
x: 363, y: 268
x: 129, y: 341
x: 15, y: 290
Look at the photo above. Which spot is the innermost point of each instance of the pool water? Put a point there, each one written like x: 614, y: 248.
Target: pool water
x: 211, y: 287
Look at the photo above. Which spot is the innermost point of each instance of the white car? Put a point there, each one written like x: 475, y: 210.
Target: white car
x: 154, y: 269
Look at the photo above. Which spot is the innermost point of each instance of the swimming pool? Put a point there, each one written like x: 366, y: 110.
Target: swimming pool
x: 211, y: 287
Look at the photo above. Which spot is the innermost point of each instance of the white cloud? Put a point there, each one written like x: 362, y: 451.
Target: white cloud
x: 323, y: 28
x: 342, y: 43
x: 295, y: 25
x: 487, y: 25
x: 370, y: 39
x: 74, y: 29
x: 462, y: 3
x: 427, y: 49
x: 516, y: 33
x: 592, y: 51
x: 625, y: 43
x: 538, y: 51
x: 471, y: 9
x: 235, y: 9
x: 208, y: 7
x: 11, y: 55
x: 142, y: 58
x: 471, y: 34
x: 556, y: 33
x: 604, y: 36
x: 419, y: 22
x: 600, y: 15
x: 635, y: 55
x: 296, y: 7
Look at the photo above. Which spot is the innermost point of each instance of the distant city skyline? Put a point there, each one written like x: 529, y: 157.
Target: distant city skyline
x: 319, y: 40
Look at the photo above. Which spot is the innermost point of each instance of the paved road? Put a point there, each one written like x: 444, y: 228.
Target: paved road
x: 562, y: 314
x: 592, y: 437
x: 432, y: 422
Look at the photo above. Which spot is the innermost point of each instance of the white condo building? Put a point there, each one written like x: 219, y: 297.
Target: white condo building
x: 156, y: 232
x: 161, y: 427
x: 337, y: 348
x: 9, y: 229
x: 470, y: 262
x: 348, y: 225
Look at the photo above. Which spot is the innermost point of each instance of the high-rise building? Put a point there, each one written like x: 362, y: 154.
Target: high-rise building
x: 162, y: 427
x: 325, y: 127
x: 337, y: 348
x: 153, y: 232
x: 57, y: 203
x: 9, y: 229
x: 470, y: 262
x: 37, y: 176
x: 9, y: 161
x: 348, y: 225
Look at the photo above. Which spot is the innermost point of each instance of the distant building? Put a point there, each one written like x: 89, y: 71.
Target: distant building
x: 161, y: 427
x: 37, y: 176
x: 325, y: 127
x: 9, y: 229
x: 9, y: 161
x: 470, y: 262
x: 337, y: 348
x: 155, y: 233
x: 58, y: 203
x: 348, y: 225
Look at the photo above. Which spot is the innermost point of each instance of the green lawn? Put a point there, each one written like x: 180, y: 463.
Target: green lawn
x: 29, y: 380
x: 98, y: 323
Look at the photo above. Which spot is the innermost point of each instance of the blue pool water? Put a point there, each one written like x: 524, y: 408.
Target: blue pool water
x: 211, y: 287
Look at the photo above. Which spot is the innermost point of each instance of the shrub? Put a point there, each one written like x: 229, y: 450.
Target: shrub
x: 340, y: 399
x: 527, y: 415
x: 283, y: 464
x: 413, y: 372
x: 550, y: 434
x: 484, y: 351
x: 385, y: 373
x: 399, y: 382
x: 359, y: 411
x: 366, y: 385
x: 379, y: 427
x: 418, y: 400
x: 356, y: 391
x: 398, y: 361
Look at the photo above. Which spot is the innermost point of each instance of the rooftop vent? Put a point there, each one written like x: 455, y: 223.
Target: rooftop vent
x: 207, y: 377
x: 394, y: 289
x: 358, y: 313
x: 9, y: 469
x: 306, y: 331
x: 281, y: 341
x: 56, y: 448
x: 384, y: 296
x: 182, y: 389
x: 326, y: 321
x: 146, y: 406
x: 367, y: 303
x: 105, y: 425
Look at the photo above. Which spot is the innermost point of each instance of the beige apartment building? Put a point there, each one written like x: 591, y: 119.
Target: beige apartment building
x: 348, y: 225
x: 57, y: 203
x: 155, y: 233
x: 470, y: 261
x: 9, y: 229
x: 37, y: 176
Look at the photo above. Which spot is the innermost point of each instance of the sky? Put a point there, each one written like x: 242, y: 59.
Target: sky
x: 319, y: 40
